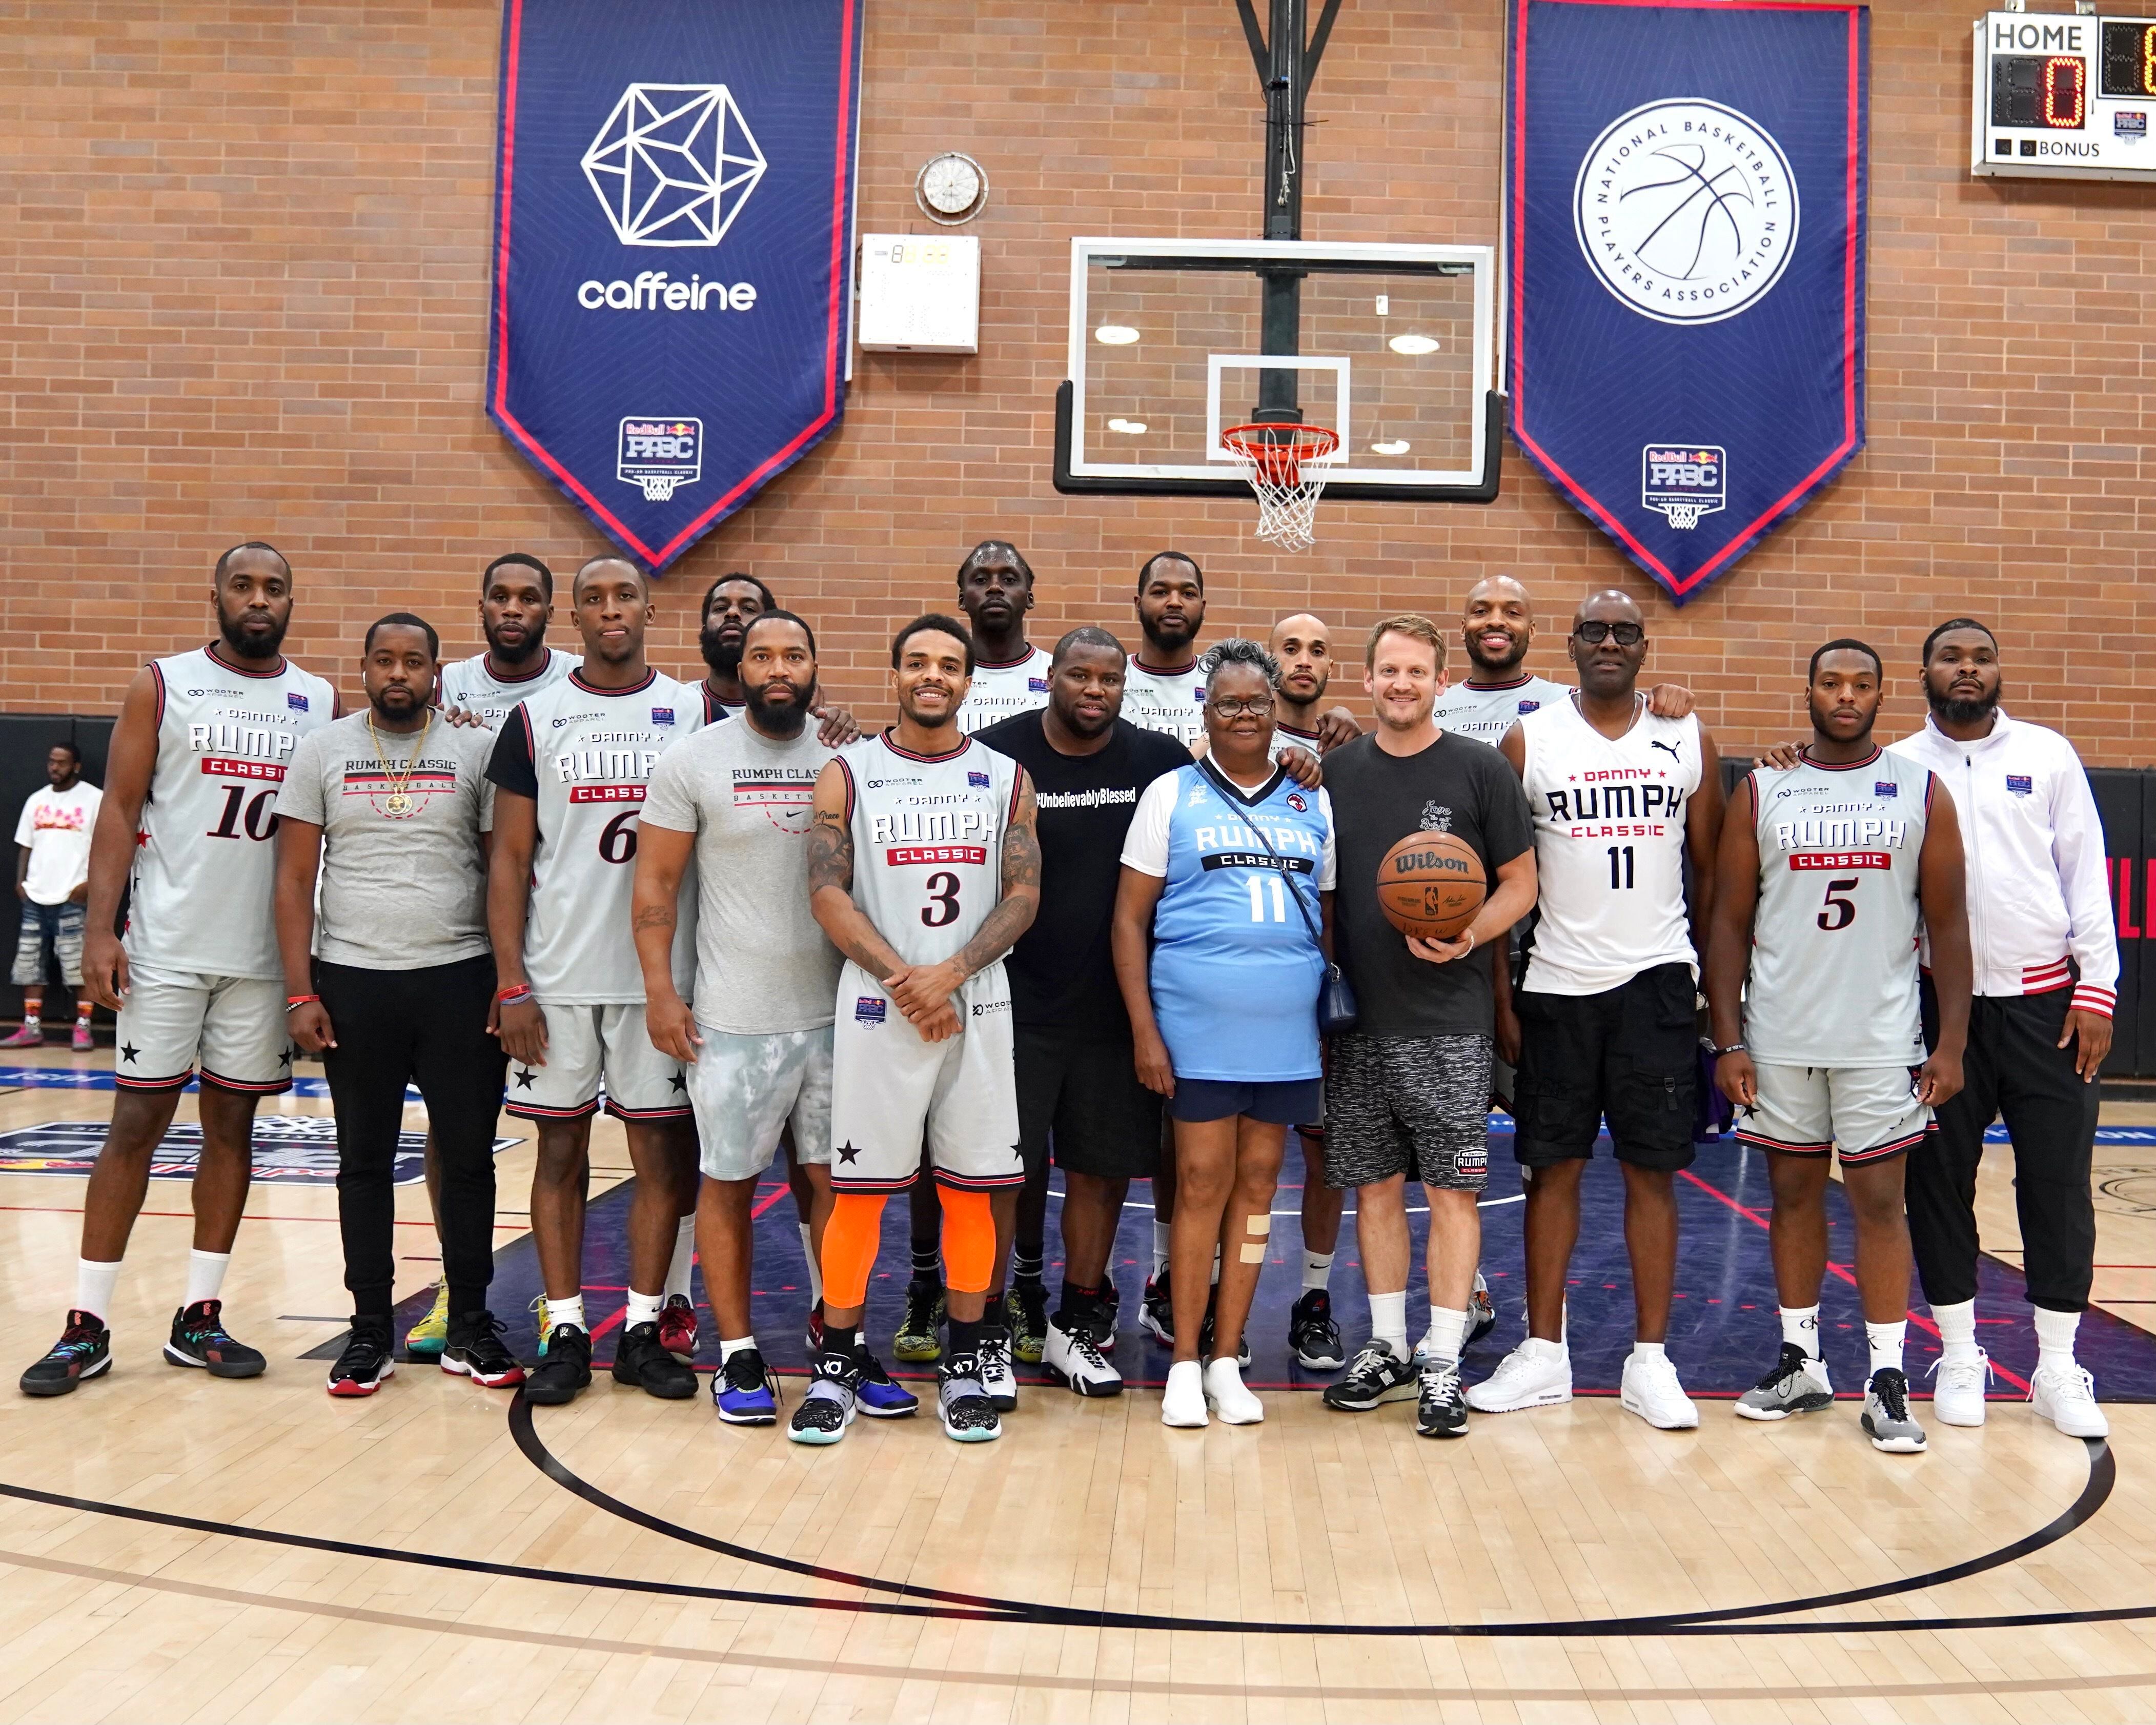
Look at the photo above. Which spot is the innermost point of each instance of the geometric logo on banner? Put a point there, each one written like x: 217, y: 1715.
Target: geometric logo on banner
x: 674, y: 164
x: 1686, y: 210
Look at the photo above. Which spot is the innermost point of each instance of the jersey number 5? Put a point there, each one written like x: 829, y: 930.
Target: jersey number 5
x: 1839, y: 912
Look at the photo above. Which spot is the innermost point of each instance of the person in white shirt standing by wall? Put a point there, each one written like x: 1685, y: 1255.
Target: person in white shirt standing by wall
x: 2046, y: 973
x: 52, y: 879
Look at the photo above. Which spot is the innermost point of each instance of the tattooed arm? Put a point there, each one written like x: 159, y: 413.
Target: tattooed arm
x: 831, y: 878
x: 662, y: 858
x: 926, y: 988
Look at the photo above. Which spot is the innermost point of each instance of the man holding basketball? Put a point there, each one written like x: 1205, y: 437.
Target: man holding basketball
x: 1407, y: 1086
x: 1605, y: 1014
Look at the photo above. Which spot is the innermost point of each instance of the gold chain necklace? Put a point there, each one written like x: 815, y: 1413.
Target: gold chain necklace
x: 397, y: 804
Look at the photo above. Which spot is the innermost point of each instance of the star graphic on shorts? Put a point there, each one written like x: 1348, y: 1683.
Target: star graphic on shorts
x: 286, y: 1058
x: 524, y: 1078
x: 1018, y: 1153
x: 678, y: 1082
x: 849, y: 1152
x: 128, y: 1051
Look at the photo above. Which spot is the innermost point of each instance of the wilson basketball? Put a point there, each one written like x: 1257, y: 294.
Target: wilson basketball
x: 1430, y: 884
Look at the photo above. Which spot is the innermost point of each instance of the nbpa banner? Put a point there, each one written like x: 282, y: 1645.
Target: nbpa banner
x: 675, y: 192
x: 1686, y: 194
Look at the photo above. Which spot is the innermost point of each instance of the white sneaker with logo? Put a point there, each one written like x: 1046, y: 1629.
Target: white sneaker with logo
x: 1957, y: 1388
x: 1651, y: 1390
x: 2066, y: 1397
x: 1535, y: 1375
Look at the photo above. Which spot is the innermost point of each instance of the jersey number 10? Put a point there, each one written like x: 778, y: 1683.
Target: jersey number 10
x: 259, y: 820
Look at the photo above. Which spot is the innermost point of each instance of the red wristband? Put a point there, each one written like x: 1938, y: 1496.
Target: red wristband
x: 293, y: 1000
x: 513, y: 994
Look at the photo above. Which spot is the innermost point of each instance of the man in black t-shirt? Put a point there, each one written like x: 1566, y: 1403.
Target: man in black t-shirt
x: 1410, y: 1086
x: 1077, y: 1077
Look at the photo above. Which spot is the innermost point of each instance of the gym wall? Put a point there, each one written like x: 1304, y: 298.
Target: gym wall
x: 245, y: 270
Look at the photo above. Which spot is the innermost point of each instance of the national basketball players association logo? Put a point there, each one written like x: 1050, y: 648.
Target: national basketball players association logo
x: 1686, y: 210
x: 660, y: 455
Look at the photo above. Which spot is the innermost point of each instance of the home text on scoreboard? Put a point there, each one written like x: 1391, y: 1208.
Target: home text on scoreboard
x: 2063, y: 95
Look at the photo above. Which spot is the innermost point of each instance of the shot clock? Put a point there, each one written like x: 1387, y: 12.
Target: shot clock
x: 2063, y: 95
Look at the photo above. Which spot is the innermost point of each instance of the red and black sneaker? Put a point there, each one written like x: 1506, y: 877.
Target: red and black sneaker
x: 85, y: 1350
x: 199, y: 1339
x: 476, y: 1349
x: 365, y: 1361
x: 677, y: 1328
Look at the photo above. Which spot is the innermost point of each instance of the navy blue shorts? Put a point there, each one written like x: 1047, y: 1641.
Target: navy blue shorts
x: 1284, y: 1104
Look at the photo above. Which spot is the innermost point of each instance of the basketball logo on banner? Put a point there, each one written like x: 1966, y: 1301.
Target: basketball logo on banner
x: 673, y: 258
x: 1685, y: 201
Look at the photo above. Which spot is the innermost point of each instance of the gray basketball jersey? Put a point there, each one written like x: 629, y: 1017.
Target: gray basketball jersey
x: 592, y: 750
x: 1487, y: 713
x: 204, y: 865
x: 928, y: 841
x: 1173, y: 701
x: 1002, y: 691
x: 1833, y: 941
x: 471, y: 684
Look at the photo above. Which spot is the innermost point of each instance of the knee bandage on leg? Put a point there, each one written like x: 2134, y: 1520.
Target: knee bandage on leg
x: 969, y: 1240
x: 850, y: 1238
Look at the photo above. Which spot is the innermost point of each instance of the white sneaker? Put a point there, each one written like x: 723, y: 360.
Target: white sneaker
x: 1226, y: 1396
x: 1182, y: 1403
x: 996, y: 1375
x: 1535, y: 1375
x: 1651, y: 1390
x: 1957, y: 1388
x: 1073, y: 1357
x: 2067, y: 1399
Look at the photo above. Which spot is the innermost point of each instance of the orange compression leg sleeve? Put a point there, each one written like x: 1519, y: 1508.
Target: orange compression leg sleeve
x: 969, y: 1240
x: 851, y: 1238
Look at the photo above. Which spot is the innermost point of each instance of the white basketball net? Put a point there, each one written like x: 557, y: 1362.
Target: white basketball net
x: 1683, y: 516
x: 1281, y: 464
x: 658, y: 487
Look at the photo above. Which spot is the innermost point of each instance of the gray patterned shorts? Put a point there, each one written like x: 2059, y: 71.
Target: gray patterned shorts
x: 1417, y: 1105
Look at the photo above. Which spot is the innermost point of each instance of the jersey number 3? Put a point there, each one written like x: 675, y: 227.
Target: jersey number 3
x: 943, y: 905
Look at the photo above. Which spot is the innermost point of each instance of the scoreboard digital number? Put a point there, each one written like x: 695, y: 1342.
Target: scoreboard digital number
x: 2063, y: 95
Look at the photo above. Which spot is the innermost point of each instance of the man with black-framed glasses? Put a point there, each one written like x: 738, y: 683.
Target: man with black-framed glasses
x: 1603, y: 1019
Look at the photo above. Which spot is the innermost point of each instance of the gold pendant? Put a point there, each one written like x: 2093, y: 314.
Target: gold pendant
x: 397, y: 804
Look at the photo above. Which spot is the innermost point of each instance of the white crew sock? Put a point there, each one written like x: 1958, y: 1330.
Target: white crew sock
x: 1448, y: 1329
x: 1650, y: 1350
x: 205, y: 1275
x: 93, y: 1284
x: 1316, y: 1270
x: 727, y: 1350
x: 1957, y: 1326
x: 1160, y: 1248
x: 2054, y: 1339
x: 643, y: 1308
x: 815, y: 1269
x: 82, y: 1017
x: 1885, y: 1340
x: 32, y: 1020
x: 1800, y: 1328
x: 1389, y: 1321
x: 1536, y: 1349
x: 567, y: 1311
x: 685, y: 1257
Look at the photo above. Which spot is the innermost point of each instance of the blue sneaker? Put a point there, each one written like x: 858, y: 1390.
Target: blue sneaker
x: 742, y: 1391
x: 881, y: 1399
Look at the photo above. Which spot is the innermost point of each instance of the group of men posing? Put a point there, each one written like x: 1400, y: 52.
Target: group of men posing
x: 743, y: 925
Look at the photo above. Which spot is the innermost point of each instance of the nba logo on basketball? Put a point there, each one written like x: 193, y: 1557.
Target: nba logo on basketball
x: 1684, y: 481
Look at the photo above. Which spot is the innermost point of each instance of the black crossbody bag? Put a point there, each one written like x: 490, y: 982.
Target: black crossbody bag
x: 1337, y: 1009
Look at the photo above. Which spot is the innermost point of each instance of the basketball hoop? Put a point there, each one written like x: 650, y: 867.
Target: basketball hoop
x: 1683, y: 516
x: 658, y: 487
x: 1282, y: 463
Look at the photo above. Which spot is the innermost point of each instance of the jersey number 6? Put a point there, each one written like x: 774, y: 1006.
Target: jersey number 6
x: 618, y: 837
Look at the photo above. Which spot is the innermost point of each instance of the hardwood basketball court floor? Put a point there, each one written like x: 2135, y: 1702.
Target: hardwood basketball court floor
x: 174, y: 1547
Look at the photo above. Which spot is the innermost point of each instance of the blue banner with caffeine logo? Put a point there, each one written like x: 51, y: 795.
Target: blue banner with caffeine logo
x: 672, y: 252
x: 1684, y: 218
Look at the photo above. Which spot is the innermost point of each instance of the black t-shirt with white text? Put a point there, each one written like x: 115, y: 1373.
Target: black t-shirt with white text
x: 1062, y: 975
x: 1456, y: 786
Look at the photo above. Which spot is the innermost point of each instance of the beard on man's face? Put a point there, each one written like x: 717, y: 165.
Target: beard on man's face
x: 247, y: 636
x: 1964, y: 711
x: 722, y: 654
x: 780, y: 718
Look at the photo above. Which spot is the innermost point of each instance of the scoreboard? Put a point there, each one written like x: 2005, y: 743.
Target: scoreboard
x: 2063, y: 95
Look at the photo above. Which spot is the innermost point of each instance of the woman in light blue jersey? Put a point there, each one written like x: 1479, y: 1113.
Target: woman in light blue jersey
x: 1223, y: 922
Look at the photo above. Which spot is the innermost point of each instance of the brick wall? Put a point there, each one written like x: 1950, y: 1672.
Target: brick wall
x: 243, y: 268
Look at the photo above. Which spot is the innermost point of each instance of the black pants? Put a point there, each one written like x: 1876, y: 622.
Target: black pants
x: 426, y: 1027
x: 2014, y: 1068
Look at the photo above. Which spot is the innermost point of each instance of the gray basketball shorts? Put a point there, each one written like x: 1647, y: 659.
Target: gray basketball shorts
x: 1868, y: 1113
x: 1417, y: 1105
x: 747, y: 1089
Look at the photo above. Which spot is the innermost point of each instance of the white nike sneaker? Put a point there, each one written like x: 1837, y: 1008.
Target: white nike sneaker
x: 1182, y: 1402
x: 1072, y: 1355
x: 1535, y: 1375
x: 1651, y: 1390
x: 1957, y: 1388
x: 1226, y: 1396
x: 2067, y: 1399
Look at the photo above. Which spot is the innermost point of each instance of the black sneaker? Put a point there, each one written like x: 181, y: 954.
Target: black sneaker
x: 643, y: 1363
x: 969, y: 1416
x: 1313, y: 1335
x: 1441, y: 1409
x: 1158, y: 1319
x: 365, y: 1361
x: 743, y: 1391
x: 476, y: 1349
x: 85, y: 1350
x: 1027, y: 1306
x: 1378, y: 1375
x: 564, y: 1368
x: 198, y: 1339
x: 917, y: 1339
x: 1205, y: 1342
